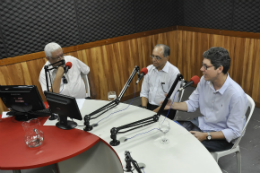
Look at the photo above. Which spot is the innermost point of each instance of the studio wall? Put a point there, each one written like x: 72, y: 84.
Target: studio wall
x: 113, y: 63
x: 117, y: 35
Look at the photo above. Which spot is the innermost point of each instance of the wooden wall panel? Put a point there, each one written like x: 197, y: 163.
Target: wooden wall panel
x: 112, y: 64
x: 35, y: 67
x: 256, y: 72
x: 243, y: 52
x: 174, y: 41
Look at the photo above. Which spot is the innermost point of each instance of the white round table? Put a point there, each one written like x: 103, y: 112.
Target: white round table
x: 183, y: 154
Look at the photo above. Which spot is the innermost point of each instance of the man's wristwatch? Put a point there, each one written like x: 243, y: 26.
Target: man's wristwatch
x: 209, y: 137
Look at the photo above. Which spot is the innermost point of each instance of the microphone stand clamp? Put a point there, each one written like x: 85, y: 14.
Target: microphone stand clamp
x: 114, y: 141
x: 88, y: 127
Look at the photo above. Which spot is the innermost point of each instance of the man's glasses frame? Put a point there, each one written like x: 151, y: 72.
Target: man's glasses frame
x: 156, y: 57
x: 206, y: 67
x: 58, y: 57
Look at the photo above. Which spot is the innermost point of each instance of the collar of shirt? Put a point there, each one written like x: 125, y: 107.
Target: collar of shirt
x: 165, y: 68
x: 223, y: 88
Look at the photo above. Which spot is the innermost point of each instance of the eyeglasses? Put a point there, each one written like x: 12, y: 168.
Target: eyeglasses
x: 156, y: 57
x: 206, y: 67
x: 58, y: 57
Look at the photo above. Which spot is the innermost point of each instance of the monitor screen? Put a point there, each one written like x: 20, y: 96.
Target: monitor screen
x: 64, y: 106
x: 21, y: 100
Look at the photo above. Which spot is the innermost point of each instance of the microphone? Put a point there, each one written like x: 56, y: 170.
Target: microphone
x: 68, y: 65
x: 128, y: 160
x: 143, y: 72
x: 194, y: 80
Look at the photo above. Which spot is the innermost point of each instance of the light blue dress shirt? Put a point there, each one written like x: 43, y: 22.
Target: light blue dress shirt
x: 222, y: 110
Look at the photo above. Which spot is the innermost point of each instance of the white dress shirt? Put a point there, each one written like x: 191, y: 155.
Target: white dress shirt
x: 222, y: 110
x: 154, y: 89
x: 75, y: 86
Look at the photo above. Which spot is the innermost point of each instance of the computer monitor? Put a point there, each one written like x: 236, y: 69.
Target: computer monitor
x: 21, y: 100
x: 64, y: 106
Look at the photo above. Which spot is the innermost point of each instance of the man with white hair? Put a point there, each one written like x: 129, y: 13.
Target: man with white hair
x: 69, y: 83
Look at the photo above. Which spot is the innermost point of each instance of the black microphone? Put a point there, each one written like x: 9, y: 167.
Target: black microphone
x: 128, y: 160
x: 194, y: 80
x: 143, y: 72
x: 67, y: 67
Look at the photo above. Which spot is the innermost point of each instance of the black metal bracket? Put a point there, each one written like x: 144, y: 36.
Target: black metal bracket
x: 146, y: 121
x: 97, y: 113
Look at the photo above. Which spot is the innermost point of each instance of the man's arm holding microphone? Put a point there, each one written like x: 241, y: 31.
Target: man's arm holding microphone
x: 182, y: 106
x: 193, y: 104
x: 201, y: 136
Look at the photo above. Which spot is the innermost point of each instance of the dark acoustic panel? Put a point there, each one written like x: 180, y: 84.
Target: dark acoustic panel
x: 155, y: 14
x: 2, y: 47
x: 28, y: 25
x: 215, y: 14
x: 247, y: 15
x: 101, y: 19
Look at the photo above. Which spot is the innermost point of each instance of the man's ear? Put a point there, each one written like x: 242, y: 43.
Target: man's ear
x: 220, y: 68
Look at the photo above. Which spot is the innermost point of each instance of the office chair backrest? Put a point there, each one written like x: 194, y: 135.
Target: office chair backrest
x: 251, y: 105
x: 85, y: 79
x: 182, y: 91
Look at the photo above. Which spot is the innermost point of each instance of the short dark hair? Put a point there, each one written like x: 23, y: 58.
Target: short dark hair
x: 166, y: 49
x: 218, y: 56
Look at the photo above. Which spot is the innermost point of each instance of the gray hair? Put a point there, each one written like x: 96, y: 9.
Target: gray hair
x: 218, y: 56
x: 166, y: 49
x: 51, y: 47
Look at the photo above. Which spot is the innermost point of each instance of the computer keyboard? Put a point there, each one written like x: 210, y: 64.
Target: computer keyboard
x: 43, y: 112
x: 25, y: 116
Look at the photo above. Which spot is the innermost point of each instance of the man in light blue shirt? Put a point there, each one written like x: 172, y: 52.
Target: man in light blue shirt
x: 222, y: 103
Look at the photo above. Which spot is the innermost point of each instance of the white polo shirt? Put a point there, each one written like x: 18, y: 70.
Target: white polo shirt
x: 153, y: 87
x: 75, y: 86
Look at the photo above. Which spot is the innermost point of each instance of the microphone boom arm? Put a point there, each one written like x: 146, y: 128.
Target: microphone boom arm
x: 111, y: 104
x: 47, y: 69
x: 146, y: 121
x: 136, y: 70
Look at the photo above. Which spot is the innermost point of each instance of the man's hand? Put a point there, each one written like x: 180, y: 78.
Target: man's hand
x: 57, y: 80
x: 199, y: 135
x: 60, y: 71
x: 168, y: 105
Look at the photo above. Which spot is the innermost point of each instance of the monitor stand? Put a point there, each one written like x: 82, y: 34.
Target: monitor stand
x: 65, y: 124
